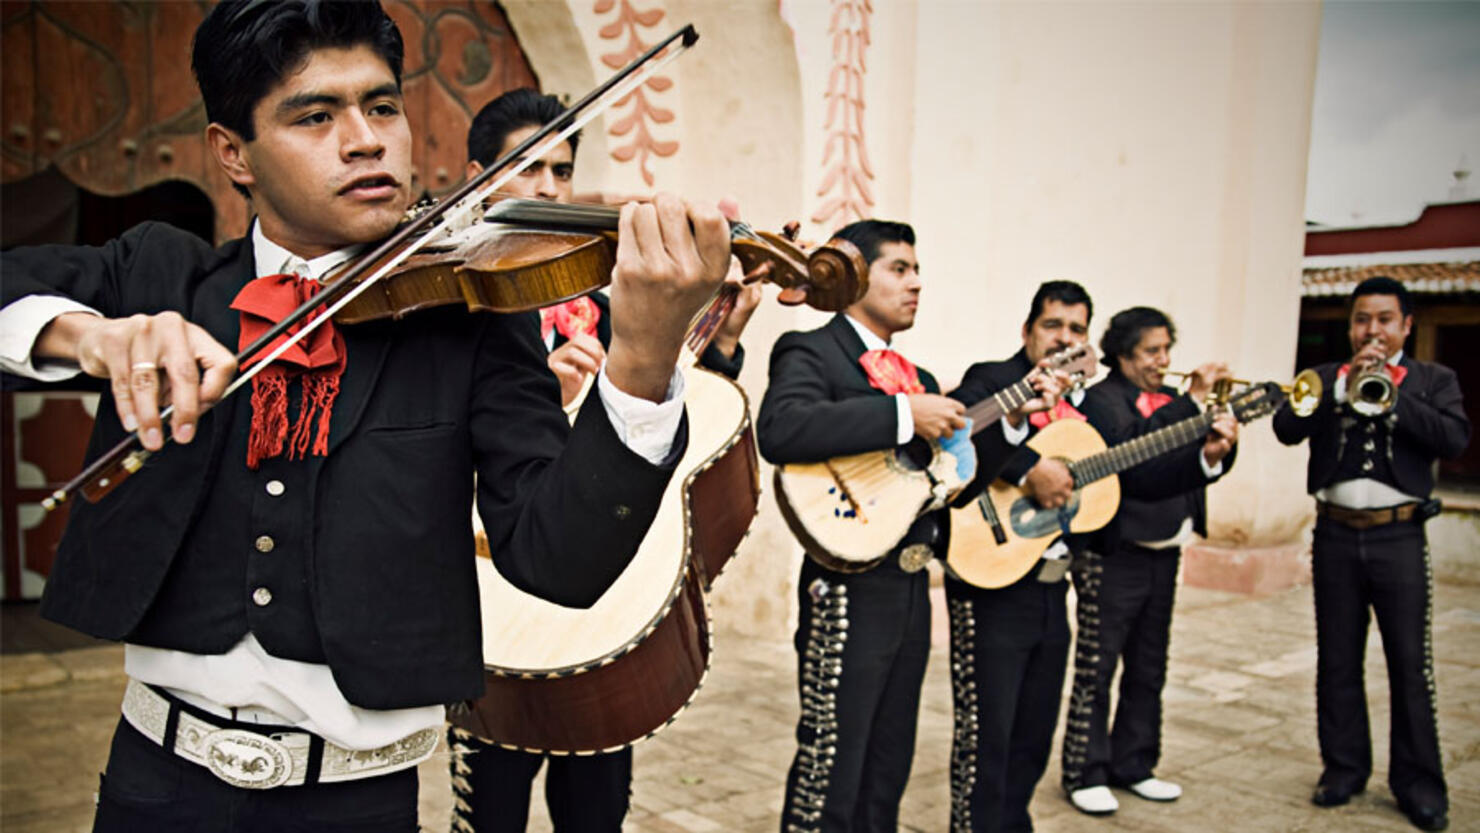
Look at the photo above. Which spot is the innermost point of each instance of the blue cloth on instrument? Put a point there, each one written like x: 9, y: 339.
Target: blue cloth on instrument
x: 960, y: 445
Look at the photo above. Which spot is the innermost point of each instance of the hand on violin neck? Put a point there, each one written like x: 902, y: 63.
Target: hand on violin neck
x: 151, y: 360
x: 671, y: 257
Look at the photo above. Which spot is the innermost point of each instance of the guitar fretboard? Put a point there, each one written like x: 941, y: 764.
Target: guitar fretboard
x: 991, y: 409
x: 1143, y: 448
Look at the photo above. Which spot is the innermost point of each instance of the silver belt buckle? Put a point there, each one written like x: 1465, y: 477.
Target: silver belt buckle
x: 913, y: 558
x: 247, y: 760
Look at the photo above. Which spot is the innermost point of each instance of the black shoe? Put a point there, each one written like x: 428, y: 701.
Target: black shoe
x: 1325, y: 796
x: 1425, y: 818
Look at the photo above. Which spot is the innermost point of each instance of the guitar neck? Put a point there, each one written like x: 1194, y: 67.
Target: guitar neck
x: 1143, y: 448
x: 994, y: 407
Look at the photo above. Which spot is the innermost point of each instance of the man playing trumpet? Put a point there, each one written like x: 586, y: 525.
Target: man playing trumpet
x: 1383, y: 421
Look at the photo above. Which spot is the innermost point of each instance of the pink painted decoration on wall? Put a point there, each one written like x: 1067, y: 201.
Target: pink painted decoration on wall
x: 845, y: 187
x: 631, y: 115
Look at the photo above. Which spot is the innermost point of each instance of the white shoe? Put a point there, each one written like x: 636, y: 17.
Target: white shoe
x: 1097, y: 801
x: 1155, y: 789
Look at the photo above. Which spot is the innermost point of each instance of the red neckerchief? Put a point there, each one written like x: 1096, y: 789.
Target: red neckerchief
x: 1396, y: 372
x: 1148, y: 402
x: 578, y: 315
x: 890, y: 372
x: 1063, y: 410
x: 318, y: 360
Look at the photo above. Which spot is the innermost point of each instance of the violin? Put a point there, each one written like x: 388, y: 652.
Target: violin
x: 525, y: 254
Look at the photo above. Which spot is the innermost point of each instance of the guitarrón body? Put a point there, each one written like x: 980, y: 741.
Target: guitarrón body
x: 554, y: 683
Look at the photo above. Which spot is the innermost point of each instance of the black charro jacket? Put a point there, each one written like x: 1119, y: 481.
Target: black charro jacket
x: 1427, y: 422
x: 385, y: 555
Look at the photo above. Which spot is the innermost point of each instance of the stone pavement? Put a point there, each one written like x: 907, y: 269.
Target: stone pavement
x: 1239, y: 735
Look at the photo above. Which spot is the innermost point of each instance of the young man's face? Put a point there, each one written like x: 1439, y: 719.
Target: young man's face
x: 1146, y: 366
x: 1380, y: 317
x: 1057, y: 326
x: 893, y: 291
x: 331, y: 163
x: 549, y: 178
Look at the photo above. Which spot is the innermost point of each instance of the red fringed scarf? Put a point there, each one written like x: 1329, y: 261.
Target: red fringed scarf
x: 1063, y: 410
x: 578, y: 315
x: 890, y: 372
x: 1148, y: 402
x: 318, y: 360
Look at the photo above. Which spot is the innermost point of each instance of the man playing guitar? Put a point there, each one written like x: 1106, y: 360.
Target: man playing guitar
x: 1009, y: 645
x: 863, y: 638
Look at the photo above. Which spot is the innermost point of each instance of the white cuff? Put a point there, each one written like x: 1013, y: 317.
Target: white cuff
x: 21, y: 322
x: 1210, y: 471
x: 1015, y: 436
x: 646, y: 427
x: 905, y: 419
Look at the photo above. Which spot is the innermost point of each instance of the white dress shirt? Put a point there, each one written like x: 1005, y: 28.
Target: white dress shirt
x: 247, y: 683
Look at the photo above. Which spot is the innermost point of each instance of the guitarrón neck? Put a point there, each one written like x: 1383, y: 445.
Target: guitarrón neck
x: 1143, y: 448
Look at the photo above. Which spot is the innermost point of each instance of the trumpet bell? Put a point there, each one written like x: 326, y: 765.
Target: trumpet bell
x: 1305, y: 393
x: 1372, y: 392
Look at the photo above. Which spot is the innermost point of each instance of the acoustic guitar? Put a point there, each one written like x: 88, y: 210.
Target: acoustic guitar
x: 578, y: 681
x: 996, y: 539
x: 850, y: 511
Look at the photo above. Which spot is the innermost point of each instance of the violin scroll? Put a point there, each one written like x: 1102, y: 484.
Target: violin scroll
x: 829, y: 277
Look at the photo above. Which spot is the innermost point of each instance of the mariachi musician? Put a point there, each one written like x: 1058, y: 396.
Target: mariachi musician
x: 1126, y: 581
x: 862, y: 638
x: 293, y: 575
x: 1009, y: 645
x: 491, y: 784
x: 1383, y: 419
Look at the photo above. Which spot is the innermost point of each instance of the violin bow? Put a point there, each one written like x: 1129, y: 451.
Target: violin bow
x: 128, y: 456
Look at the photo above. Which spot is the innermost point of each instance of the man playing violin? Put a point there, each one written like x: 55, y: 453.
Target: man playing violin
x: 863, y: 638
x: 1126, y: 581
x: 491, y: 784
x: 1009, y: 645
x: 1371, y: 473
x: 292, y: 576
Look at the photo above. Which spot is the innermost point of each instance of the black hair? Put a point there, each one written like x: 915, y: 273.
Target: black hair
x: 1067, y: 293
x: 244, y: 48
x: 515, y: 109
x: 1383, y: 285
x: 869, y: 235
x: 1125, y: 330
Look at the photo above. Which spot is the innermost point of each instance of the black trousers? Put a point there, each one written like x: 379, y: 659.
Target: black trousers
x: 491, y: 787
x: 148, y: 790
x: 1387, y: 569
x: 1008, y: 651
x: 1124, y: 612
x: 862, y: 642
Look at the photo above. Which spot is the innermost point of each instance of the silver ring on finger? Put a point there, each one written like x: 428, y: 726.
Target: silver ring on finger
x: 138, y: 366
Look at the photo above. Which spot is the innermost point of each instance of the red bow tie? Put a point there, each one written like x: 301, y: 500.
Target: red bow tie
x: 1396, y: 372
x: 1148, y: 402
x: 1062, y: 410
x: 578, y: 315
x: 318, y: 359
x: 890, y: 372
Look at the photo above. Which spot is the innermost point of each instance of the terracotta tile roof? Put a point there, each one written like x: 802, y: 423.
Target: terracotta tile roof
x: 1423, y: 278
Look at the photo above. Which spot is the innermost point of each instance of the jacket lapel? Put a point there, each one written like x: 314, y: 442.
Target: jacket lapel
x: 366, y: 346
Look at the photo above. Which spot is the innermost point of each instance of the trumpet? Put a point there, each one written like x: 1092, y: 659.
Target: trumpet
x: 1370, y: 389
x: 1304, y: 391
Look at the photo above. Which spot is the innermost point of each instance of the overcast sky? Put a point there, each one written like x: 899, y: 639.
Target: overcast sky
x: 1397, y: 103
